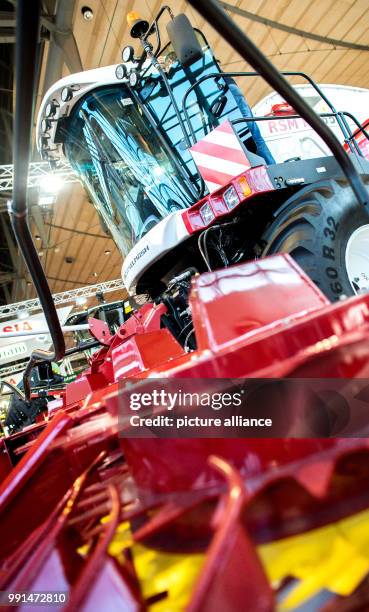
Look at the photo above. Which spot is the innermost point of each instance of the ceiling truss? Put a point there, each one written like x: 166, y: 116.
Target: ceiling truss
x: 37, y: 170
x: 62, y: 298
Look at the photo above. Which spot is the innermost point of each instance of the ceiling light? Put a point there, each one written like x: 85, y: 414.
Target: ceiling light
x: 23, y: 314
x: 50, y: 183
x: 87, y: 13
x: 81, y: 300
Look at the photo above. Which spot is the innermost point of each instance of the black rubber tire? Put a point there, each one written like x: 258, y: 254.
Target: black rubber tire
x: 314, y: 226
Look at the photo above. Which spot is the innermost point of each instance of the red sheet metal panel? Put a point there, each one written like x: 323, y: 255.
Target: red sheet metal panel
x: 246, y: 298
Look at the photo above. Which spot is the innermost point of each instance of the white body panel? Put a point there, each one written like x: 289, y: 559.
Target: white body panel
x: 82, y: 83
x: 161, y: 239
x: 288, y: 138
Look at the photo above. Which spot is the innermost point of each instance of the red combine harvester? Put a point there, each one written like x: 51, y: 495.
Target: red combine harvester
x: 97, y: 510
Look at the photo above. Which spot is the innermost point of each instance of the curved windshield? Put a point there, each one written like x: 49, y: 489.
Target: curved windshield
x: 123, y: 164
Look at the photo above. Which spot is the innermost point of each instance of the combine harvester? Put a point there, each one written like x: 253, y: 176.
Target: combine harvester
x: 248, y: 269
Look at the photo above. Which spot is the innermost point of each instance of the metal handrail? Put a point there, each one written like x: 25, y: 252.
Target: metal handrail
x: 337, y: 114
x: 241, y: 43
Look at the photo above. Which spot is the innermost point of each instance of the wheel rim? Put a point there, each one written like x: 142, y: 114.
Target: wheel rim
x: 357, y: 259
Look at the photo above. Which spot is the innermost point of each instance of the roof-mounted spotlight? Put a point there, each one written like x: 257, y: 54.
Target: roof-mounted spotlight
x: 46, y: 125
x: 121, y: 71
x: 51, y: 108
x: 66, y: 94
x: 128, y: 53
x: 133, y: 78
x: 138, y: 26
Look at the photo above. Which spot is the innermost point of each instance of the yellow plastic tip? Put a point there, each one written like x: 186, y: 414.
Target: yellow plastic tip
x: 132, y: 17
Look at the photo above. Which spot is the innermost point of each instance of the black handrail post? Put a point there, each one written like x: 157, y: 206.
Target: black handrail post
x: 360, y: 128
x: 338, y: 115
x: 27, y: 35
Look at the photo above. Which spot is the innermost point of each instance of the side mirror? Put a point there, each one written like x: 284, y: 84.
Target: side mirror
x: 184, y: 41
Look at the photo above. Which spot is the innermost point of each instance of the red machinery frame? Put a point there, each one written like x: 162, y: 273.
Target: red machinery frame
x: 299, y: 335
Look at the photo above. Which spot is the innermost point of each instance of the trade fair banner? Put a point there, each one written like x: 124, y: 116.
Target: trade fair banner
x: 20, y: 347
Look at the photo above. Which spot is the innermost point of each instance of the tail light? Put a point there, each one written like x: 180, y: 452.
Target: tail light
x: 226, y: 199
x: 207, y: 214
x: 231, y: 198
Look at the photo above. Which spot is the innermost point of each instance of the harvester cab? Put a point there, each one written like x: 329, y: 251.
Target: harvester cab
x: 167, y: 148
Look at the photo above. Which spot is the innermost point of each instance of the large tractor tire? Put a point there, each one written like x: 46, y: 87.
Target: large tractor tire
x: 326, y: 231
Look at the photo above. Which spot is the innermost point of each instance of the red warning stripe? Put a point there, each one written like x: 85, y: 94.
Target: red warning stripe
x: 214, y: 176
x: 218, y: 150
x: 226, y: 126
x: 219, y: 156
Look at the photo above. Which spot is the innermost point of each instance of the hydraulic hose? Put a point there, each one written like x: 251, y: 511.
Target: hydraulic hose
x: 27, y: 34
x: 217, y: 17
